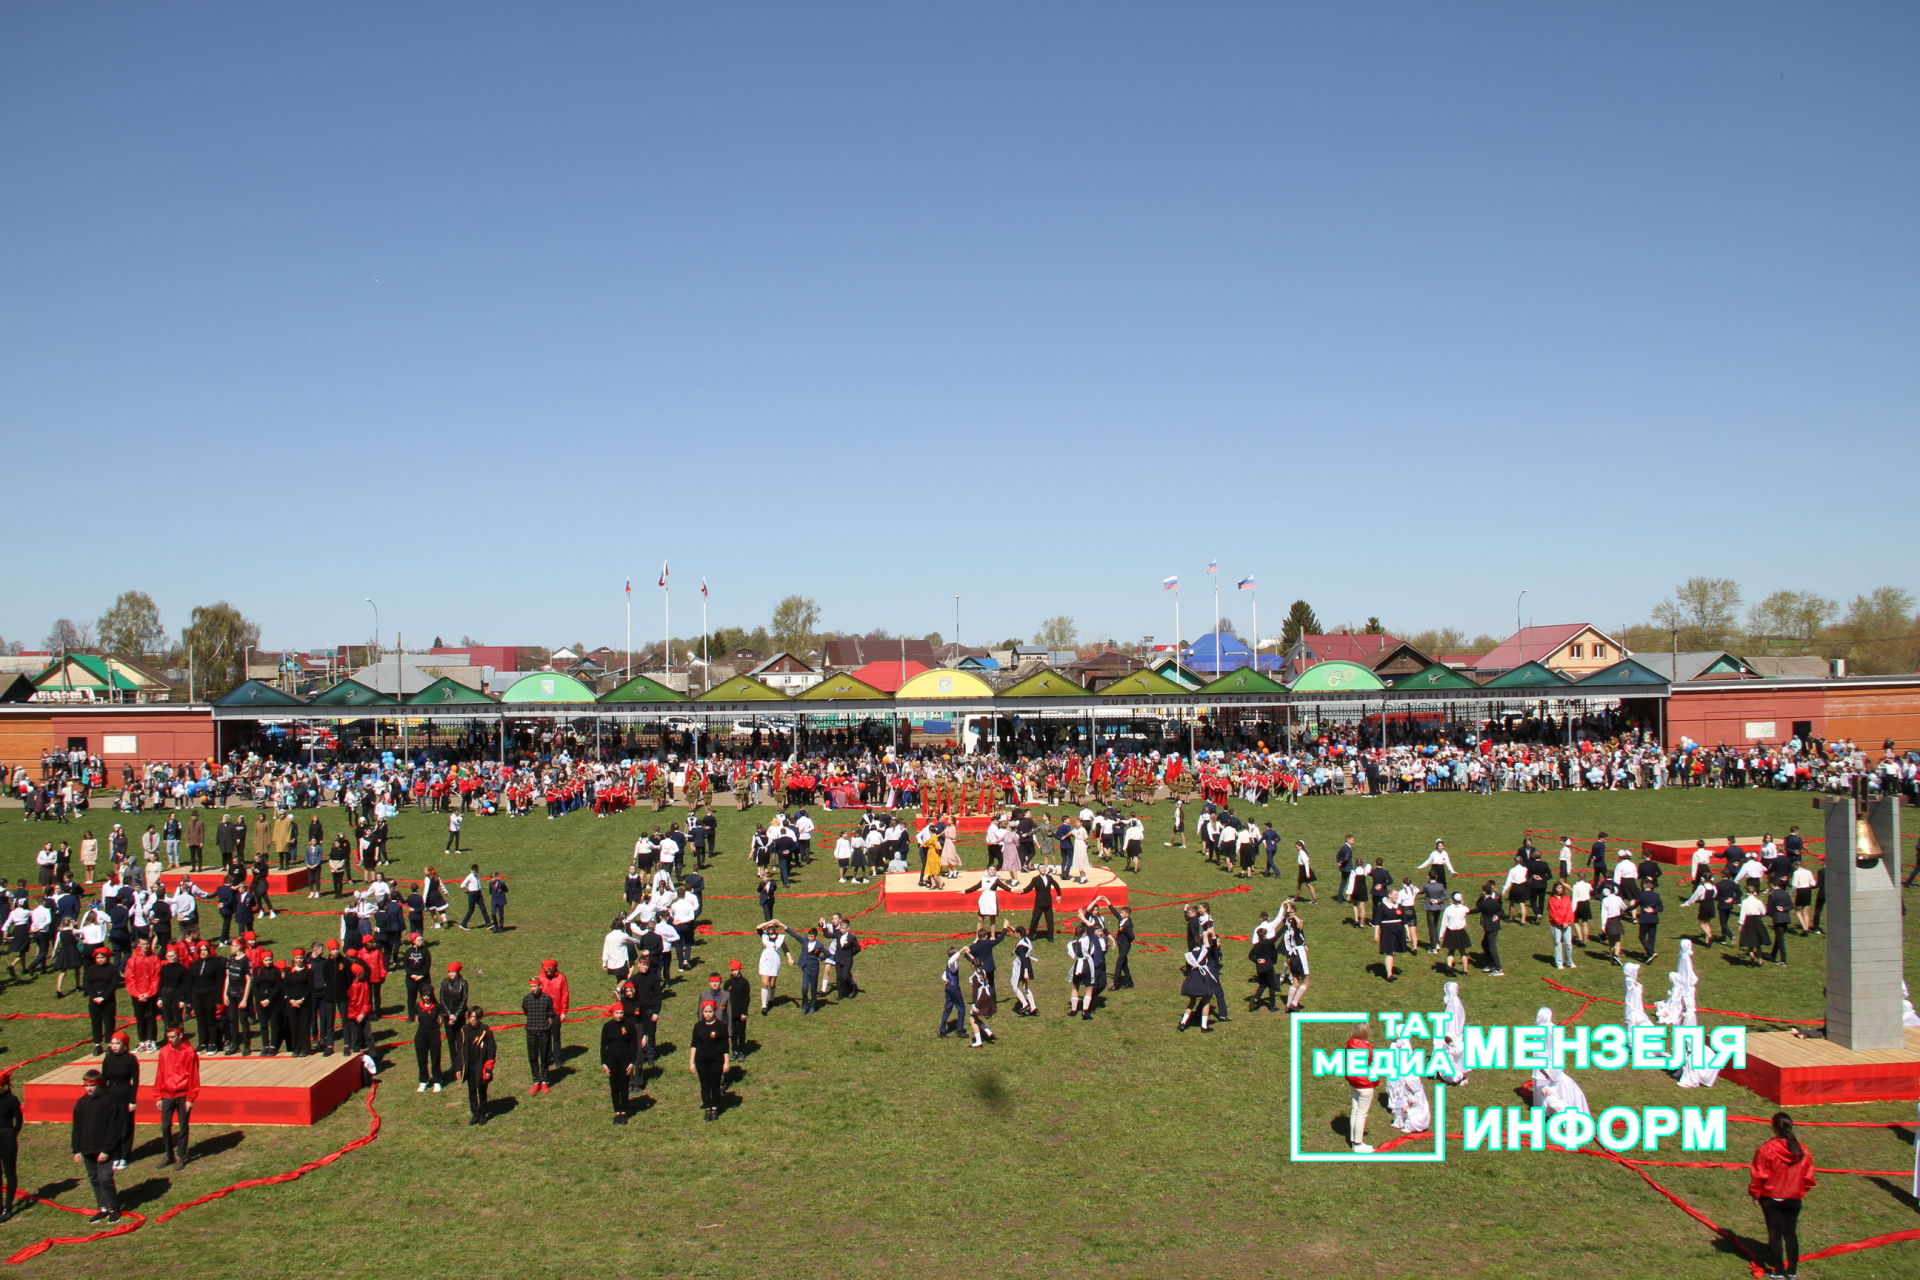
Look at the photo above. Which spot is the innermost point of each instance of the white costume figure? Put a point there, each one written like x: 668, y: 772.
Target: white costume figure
x: 1553, y: 1089
x: 1683, y: 984
x: 1687, y: 986
x: 1636, y: 997
x: 1454, y: 1034
x: 1908, y: 1018
x: 1407, y: 1099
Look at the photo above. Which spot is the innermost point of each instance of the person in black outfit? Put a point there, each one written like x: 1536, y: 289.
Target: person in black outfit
x: 100, y: 984
x: 1647, y: 916
x: 97, y: 1121
x: 845, y: 948
x: 537, y: 1008
x: 617, y: 1053
x: 708, y: 1059
x: 1779, y: 912
x: 426, y: 1041
x: 204, y: 977
x: 267, y: 995
x: 1043, y: 887
x: 649, y: 989
x: 739, y: 997
x: 298, y: 999
x: 477, y: 1053
x: 120, y: 1080
x: 1123, y: 947
x: 1489, y: 909
x: 10, y: 1120
x: 416, y: 962
x: 1263, y: 953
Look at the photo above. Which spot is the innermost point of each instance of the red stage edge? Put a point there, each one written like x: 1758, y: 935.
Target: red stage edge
x: 313, y: 1089
x: 900, y: 895
x: 1792, y: 1071
x: 1679, y: 853
x: 294, y: 881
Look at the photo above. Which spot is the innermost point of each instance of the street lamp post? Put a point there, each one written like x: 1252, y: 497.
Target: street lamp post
x: 376, y: 627
x: 1516, y: 609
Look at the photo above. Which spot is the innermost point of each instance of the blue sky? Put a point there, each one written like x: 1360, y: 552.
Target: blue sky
x: 478, y: 309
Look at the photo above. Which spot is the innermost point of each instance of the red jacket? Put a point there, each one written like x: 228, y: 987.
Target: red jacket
x: 555, y: 985
x: 177, y: 1074
x: 1777, y: 1175
x: 1560, y: 910
x: 1361, y: 1082
x: 375, y: 961
x: 359, y: 1001
x: 142, y: 976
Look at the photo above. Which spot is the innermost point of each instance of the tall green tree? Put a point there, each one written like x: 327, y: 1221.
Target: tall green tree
x: 1435, y: 641
x: 1373, y: 628
x: 1301, y: 621
x: 796, y: 624
x: 1789, y: 622
x: 1882, y: 633
x: 1057, y: 632
x: 131, y: 626
x: 216, y: 640
x: 1703, y: 611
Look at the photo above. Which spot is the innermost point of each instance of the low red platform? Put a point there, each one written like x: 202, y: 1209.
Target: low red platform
x: 1679, y: 853
x: 1792, y: 1071
x: 238, y: 1091
x: 294, y: 881
x: 901, y: 895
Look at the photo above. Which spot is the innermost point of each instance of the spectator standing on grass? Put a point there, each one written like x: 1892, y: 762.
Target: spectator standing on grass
x: 97, y: 1121
x: 1781, y: 1176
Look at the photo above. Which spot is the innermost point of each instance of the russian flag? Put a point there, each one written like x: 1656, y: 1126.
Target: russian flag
x: 663, y: 574
x: 629, y: 586
x: 1213, y: 566
x: 1246, y: 583
x: 703, y: 586
x: 1169, y: 584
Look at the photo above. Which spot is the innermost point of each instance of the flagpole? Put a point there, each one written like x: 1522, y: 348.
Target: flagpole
x: 706, y: 659
x: 666, y: 624
x: 1177, y: 661
x: 1256, y: 625
x: 1216, y: 623
x: 627, y: 671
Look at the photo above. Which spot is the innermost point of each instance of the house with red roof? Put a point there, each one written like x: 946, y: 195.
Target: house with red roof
x: 1573, y: 648
x: 1347, y: 646
x: 888, y: 674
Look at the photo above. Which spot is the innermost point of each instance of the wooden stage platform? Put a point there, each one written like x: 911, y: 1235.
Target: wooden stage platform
x: 1679, y: 853
x: 1794, y: 1071
x: 294, y: 881
x: 237, y: 1091
x: 901, y: 895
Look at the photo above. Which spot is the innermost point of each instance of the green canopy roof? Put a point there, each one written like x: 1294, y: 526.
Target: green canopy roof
x: 1141, y: 684
x: 742, y: 689
x: 448, y: 690
x: 547, y: 686
x: 1245, y: 680
x: 1044, y: 683
x: 93, y: 669
x: 254, y: 693
x: 1337, y: 677
x: 1625, y: 671
x: 1530, y: 676
x: 644, y: 689
x: 1437, y: 675
x: 351, y: 693
x: 840, y: 686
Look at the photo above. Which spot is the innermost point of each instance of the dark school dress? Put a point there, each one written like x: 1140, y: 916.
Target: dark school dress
x: 1393, y: 931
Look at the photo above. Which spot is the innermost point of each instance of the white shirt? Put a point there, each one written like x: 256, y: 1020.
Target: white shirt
x: 616, y: 950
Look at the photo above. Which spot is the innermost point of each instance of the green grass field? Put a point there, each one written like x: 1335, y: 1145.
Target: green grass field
x: 863, y: 1146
